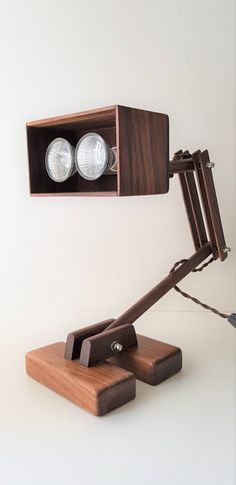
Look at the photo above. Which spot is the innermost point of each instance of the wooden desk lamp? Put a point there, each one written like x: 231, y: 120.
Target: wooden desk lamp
x: 98, y: 365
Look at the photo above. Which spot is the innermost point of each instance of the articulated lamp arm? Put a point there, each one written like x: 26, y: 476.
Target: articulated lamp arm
x: 95, y: 344
x: 185, y: 166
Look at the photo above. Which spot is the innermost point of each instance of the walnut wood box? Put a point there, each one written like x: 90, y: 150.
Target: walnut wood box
x: 141, y: 138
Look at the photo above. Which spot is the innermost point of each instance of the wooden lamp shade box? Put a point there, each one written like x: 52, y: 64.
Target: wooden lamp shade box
x: 142, y: 141
x: 98, y: 365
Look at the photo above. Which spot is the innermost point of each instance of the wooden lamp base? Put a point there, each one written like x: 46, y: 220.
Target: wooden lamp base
x: 109, y: 384
x: 97, y: 389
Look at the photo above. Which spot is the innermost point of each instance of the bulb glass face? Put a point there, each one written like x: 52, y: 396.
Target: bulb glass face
x: 91, y: 156
x: 59, y: 160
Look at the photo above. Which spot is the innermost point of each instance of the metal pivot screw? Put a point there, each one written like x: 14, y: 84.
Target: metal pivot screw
x: 226, y: 249
x: 116, y: 346
x: 210, y: 165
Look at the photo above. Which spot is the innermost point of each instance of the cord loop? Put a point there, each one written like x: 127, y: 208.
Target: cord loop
x: 186, y: 295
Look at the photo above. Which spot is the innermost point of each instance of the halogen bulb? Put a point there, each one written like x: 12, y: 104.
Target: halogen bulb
x: 93, y: 156
x: 59, y: 160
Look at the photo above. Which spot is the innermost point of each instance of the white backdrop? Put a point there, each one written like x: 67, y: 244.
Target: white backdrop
x: 68, y: 262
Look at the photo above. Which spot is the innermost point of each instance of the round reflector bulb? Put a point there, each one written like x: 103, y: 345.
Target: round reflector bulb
x: 93, y: 156
x: 60, y: 160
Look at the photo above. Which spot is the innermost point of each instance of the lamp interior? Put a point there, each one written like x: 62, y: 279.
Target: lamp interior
x: 39, y: 139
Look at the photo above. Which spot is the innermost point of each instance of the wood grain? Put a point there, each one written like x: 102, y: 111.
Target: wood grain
x: 213, y: 204
x: 152, y: 361
x: 193, y: 209
x: 98, y: 389
x: 75, y: 339
x: 143, y: 147
x: 181, y: 165
x: 94, y: 115
x: 205, y: 203
x: 196, y: 207
x: 99, y: 347
x: 189, y: 209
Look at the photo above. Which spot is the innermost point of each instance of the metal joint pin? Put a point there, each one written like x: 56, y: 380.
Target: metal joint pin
x: 210, y: 165
x: 226, y: 249
x: 116, y: 346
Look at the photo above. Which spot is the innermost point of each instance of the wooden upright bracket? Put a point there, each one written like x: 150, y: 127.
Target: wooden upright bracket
x: 203, y: 168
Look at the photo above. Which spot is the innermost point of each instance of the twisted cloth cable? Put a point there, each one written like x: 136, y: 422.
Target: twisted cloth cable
x: 186, y: 295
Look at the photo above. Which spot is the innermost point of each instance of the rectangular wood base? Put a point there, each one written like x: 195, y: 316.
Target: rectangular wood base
x: 152, y: 361
x: 97, y: 389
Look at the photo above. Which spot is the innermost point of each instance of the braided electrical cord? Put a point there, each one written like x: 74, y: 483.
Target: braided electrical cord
x: 195, y: 300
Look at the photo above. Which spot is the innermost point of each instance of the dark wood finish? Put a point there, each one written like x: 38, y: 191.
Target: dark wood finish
x: 142, y: 305
x: 193, y: 209
x: 197, y: 211
x: 181, y: 166
x: 98, y: 389
x: 152, y: 361
x: 75, y: 339
x: 142, y: 143
x: 76, y: 194
x: 143, y: 147
x: 98, y: 347
x: 213, y: 204
x: 95, y: 117
x: 202, y: 189
x: 189, y: 209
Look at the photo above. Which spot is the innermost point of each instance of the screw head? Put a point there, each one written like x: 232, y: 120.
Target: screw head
x: 116, y: 346
x: 226, y: 249
x: 210, y: 165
